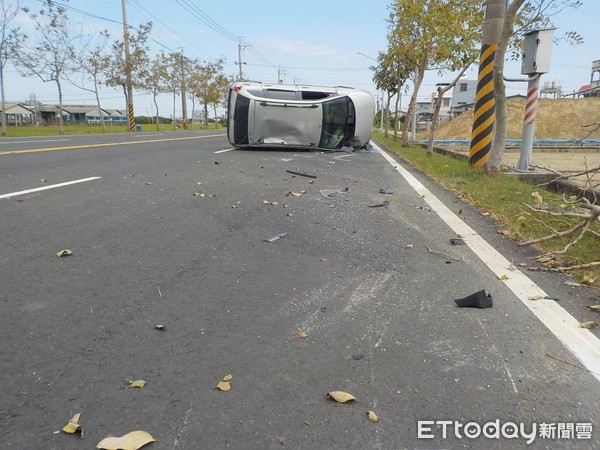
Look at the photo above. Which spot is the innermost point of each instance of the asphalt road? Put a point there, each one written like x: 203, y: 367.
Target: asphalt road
x: 173, y: 233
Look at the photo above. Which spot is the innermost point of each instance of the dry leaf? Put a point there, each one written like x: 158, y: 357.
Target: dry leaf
x: 65, y: 252
x: 534, y: 297
x: 73, y: 425
x: 274, y: 203
x: 409, y: 246
x: 160, y: 327
x: 311, y: 182
x: 137, y: 384
x: 504, y: 232
x: 373, y: 417
x: 341, y: 396
x: 587, y: 279
x: 595, y: 308
x: 43, y: 180
x: 293, y: 194
x: 224, y: 386
x: 485, y: 214
x: 130, y: 441
x: 480, y: 388
x: 504, y: 278
x: 589, y: 324
x: 228, y: 377
x: 303, y: 334
x: 537, y: 198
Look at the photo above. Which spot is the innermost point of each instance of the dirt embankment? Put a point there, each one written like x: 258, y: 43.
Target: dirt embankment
x: 556, y: 119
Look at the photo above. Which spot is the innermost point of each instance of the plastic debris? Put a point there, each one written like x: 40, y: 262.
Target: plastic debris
x: 332, y: 192
x: 385, y: 191
x: 457, y: 241
x: 276, y: 237
x: 385, y: 203
x: 479, y: 299
x: 302, y: 174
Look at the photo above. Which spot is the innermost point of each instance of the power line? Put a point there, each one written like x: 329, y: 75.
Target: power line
x: 204, y: 18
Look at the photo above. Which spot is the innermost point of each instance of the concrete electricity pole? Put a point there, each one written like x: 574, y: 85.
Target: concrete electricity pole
x: 130, y: 114
x: 484, y: 113
x: 183, y: 96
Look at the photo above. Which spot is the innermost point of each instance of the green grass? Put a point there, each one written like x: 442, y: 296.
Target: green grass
x: 52, y: 130
x: 503, y: 198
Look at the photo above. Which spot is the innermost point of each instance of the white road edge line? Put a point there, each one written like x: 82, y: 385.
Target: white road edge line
x: 226, y: 150
x: 52, y: 186
x: 29, y: 142
x: 579, y: 341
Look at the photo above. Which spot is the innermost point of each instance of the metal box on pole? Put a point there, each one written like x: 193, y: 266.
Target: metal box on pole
x: 537, y: 50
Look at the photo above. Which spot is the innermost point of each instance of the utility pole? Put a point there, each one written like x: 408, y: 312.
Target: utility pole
x: 240, y: 59
x: 484, y: 113
x: 130, y: 114
x: 183, y: 96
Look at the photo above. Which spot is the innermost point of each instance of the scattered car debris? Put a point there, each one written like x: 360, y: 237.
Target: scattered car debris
x: 457, y: 241
x: 385, y: 191
x: 275, y: 237
x: 384, y: 203
x: 358, y: 356
x: 332, y: 192
x: 479, y: 299
x: 302, y: 174
x: 332, y: 203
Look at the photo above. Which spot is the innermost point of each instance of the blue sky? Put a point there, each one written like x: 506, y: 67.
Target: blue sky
x: 307, y: 41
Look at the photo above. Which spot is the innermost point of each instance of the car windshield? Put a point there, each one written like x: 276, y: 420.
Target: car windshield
x: 335, y: 122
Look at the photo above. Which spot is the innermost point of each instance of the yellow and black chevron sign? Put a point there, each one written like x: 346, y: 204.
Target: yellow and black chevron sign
x: 484, y: 113
x: 131, y: 117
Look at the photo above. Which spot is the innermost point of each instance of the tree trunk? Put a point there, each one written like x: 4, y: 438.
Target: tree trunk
x: 413, y: 102
x: 155, y: 93
x: 3, y: 118
x: 386, y: 115
x: 61, y: 126
x: 98, y: 103
x: 436, y: 114
x: 397, y: 114
x: 174, y: 122
x: 494, y: 164
x: 438, y: 106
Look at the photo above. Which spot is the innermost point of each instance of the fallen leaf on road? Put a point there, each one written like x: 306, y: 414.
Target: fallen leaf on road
x: 303, y: 334
x: 372, y: 416
x: 341, y: 396
x: 409, y: 246
x: 43, y: 180
x: 137, y: 384
x: 73, y: 425
x: 65, y: 252
x: 595, y: 308
x: 537, y: 198
x: 534, y: 297
x: 130, y: 441
x: 589, y: 324
x: 224, y: 386
x: 148, y: 183
x: 224, y: 383
x: 160, y: 327
x: 504, y: 278
x: 293, y: 194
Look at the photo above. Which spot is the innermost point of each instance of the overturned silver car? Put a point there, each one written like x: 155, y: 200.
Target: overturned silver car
x: 279, y: 115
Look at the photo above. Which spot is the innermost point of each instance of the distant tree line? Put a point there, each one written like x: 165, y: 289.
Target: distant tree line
x: 56, y: 52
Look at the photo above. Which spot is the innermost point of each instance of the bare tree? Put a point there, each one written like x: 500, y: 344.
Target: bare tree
x: 156, y: 81
x: 92, y: 61
x: 9, y: 37
x: 52, y: 53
